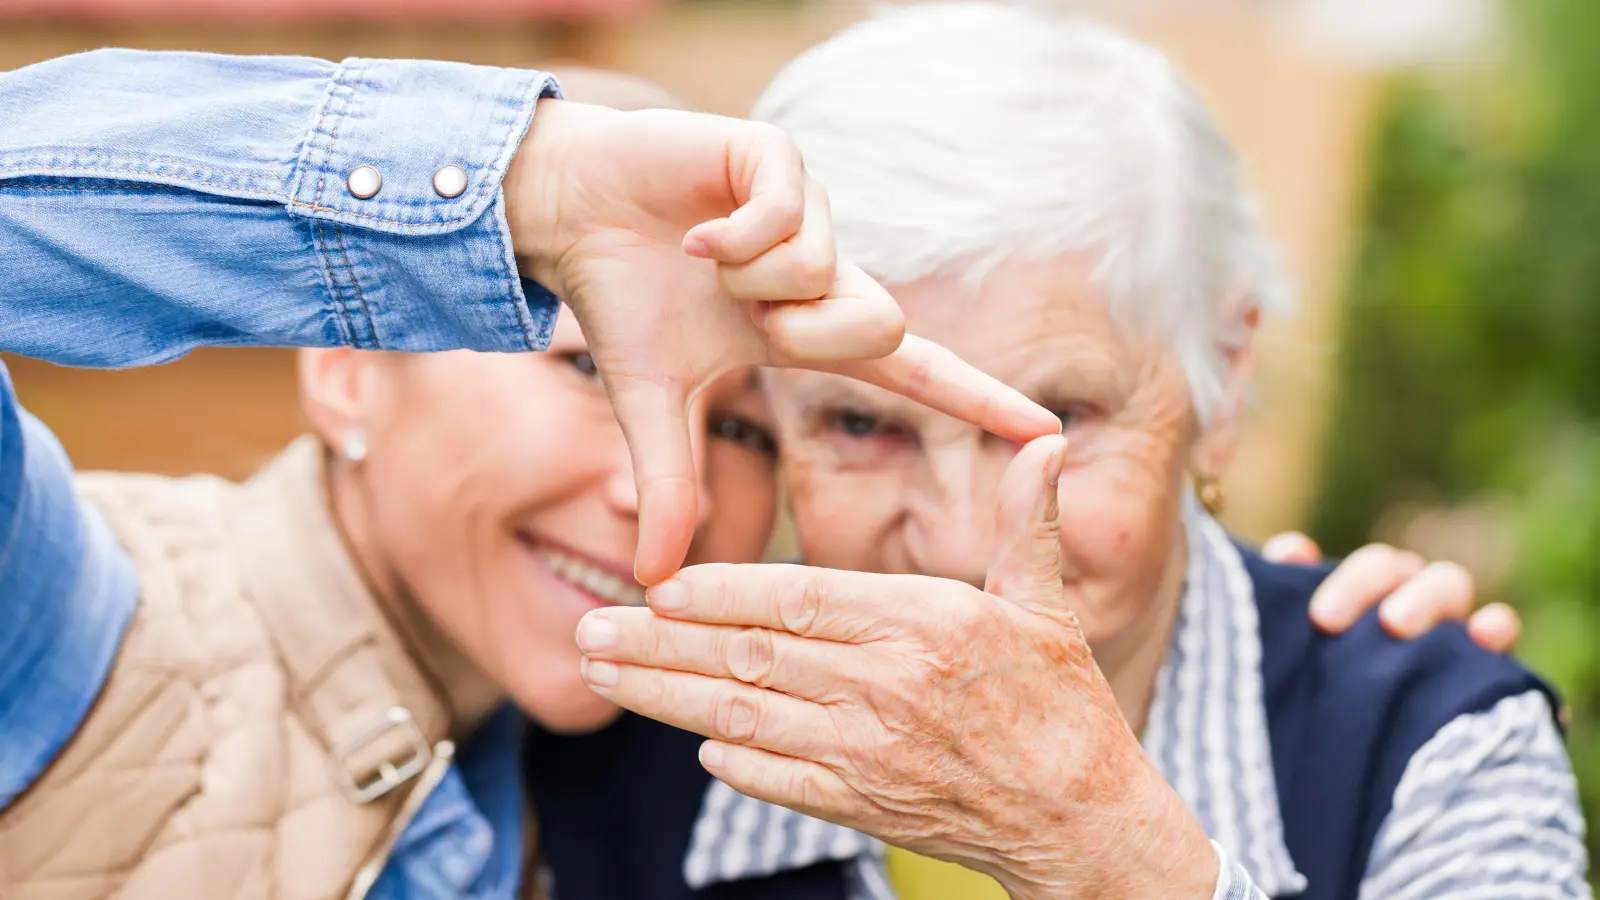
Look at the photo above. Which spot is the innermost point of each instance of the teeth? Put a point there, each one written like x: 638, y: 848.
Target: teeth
x: 602, y: 584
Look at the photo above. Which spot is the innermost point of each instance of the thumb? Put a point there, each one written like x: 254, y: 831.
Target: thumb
x: 654, y: 420
x: 1027, y: 567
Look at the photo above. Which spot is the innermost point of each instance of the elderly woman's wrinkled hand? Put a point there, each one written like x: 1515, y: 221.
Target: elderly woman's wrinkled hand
x: 969, y: 725
x: 690, y: 245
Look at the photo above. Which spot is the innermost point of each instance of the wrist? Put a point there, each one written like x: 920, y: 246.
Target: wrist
x: 532, y: 192
x: 1155, y: 849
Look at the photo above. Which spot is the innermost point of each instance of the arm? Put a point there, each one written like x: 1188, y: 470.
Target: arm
x: 155, y: 202
x: 1487, y: 808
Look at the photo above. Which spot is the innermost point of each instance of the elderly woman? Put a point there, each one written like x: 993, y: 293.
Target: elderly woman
x: 1151, y: 714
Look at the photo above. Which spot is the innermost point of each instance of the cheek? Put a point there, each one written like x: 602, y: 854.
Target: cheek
x: 551, y: 691
x: 744, y: 498
x: 845, y: 519
x: 1116, y: 529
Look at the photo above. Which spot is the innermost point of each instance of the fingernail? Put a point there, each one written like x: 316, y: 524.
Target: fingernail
x: 669, y: 596
x: 1323, y: 611
x: 599, y: 673
x: 1058, y: 461
x: 1277, y: 548
x: 696, y: 247
x: 1398, y: 617
x: 596, y: 632
x: 711, y: 755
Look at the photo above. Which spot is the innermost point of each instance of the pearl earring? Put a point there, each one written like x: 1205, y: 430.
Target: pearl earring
x: 355, y: 445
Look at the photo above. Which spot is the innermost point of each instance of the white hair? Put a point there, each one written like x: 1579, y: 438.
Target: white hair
x: 954, y: 136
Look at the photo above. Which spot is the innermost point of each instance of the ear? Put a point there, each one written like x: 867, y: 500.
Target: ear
x: 336, y: 386
x: 1219, y: 438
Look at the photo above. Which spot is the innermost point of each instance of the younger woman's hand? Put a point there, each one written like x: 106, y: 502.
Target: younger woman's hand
x: 1412, y: 595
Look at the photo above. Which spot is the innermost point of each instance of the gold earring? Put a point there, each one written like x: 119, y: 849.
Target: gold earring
x: 1211, y: 495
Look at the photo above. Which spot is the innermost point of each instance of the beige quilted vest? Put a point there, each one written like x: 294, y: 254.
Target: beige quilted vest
x: 264, y: 733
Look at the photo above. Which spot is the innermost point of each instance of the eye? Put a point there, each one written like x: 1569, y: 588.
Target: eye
x: 1068, y: 417
x: 856, y: 424
x: 582, y: 363
x: 746, y: 434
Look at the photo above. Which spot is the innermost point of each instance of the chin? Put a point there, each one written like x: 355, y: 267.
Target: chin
x: 580, y: 721
x: 574, y: 710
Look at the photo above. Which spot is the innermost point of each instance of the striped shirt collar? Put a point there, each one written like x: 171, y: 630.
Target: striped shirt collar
x: 1207, y: 726
x: 1206, y: 732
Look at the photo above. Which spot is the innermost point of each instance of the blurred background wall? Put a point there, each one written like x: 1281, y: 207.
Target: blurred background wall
x: 1431, y: 169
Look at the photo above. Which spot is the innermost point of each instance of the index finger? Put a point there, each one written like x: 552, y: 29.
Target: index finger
x: 826, y: 604
x: 937, y: 378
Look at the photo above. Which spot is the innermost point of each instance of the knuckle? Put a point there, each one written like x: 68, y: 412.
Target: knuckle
x: 813, y: 271
x: 805, y: 785
x: 735, y: 717
x: 750, y: 656
x: 653, y: 691
x: 799, y: 610
x: 654, y: 643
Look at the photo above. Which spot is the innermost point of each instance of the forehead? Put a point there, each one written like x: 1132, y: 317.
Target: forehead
x: 1018, y: 315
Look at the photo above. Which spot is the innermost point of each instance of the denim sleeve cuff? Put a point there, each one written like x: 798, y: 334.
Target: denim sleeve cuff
x: 406, y: 267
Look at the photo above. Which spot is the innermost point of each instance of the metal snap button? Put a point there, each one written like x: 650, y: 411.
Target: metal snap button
x: 450, y: 181
x: 364, y: 182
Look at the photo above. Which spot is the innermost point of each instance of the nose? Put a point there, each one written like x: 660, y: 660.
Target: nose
x: 622, y: 491
x: 950, y: 521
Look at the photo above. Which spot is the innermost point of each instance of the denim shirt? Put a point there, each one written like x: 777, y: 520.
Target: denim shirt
x: 151, y: 203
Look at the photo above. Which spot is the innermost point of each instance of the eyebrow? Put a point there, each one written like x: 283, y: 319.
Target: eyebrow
x: 820, y: 388
x: 1063, y: 381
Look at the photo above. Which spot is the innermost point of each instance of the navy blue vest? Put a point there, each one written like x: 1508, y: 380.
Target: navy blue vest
x: 617, y: 808
x: 1347, y: 713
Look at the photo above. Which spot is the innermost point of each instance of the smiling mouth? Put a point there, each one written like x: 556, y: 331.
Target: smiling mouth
x: 590, y: 578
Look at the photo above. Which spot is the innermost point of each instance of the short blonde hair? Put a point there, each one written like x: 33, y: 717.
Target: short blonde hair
x: 603, y: 87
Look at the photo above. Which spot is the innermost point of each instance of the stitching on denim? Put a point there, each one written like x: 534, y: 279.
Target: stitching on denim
x: 395, y: 222
x: 333, y: 279
x: 338, y: 232
x: 89, y: 186
x: 308, y: 142
x: 493, y: 172
x: 307, y: 228
x: 54, y: 163
x: 523, y: 315
x: 344, y: 92
x: 200, y: 185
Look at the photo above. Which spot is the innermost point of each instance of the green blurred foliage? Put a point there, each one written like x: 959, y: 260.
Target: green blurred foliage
x: 1470, y: 344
